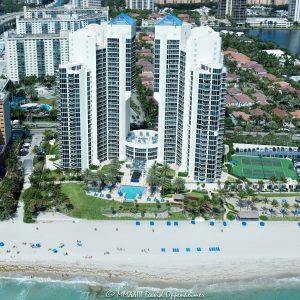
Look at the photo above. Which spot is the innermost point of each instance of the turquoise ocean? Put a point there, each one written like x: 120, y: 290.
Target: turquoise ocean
x: 30, y: 288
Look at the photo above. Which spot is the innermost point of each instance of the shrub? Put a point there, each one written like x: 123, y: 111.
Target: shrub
x: 183, y: 174
x: 230, y: 206
x: 231, y: 216
x: 264, y: 218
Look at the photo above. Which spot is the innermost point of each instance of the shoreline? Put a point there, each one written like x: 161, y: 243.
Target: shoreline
x: 133, y: 253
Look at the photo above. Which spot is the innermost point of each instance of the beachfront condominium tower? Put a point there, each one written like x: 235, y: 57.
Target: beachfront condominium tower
x: 189, y: 85
x: 95, y: 88
x: 294, y: 10
x: 140, y: 4
x: 234, y: 9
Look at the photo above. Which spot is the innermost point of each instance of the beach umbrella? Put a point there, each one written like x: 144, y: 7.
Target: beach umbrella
x: 244, y: 223
x: 54, y: 251
x: 224, y: 223
x: 1, y: 244
x: 38, y: 245
x: 262, y: 223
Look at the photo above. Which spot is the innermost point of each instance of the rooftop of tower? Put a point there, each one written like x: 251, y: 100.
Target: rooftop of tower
x: 122, y: 19
x: 169, y: 20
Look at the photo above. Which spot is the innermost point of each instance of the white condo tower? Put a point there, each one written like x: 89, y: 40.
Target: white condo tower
x: 189, y: 85
x: 95, y: 88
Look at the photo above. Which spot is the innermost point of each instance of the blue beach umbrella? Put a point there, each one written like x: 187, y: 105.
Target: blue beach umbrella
x: 262, y: 223
x: 224, y: 223
x: 1, y: 244
x: 54, y: 251
x: 38, y: 245
x: 244, y: 223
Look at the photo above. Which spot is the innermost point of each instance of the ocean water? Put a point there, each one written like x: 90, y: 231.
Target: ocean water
x: 27, y: 288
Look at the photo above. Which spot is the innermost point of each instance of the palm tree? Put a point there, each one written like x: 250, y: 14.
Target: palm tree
x: 240, y: 203
x: 165, y: 183
x: 275, y: 203
x: 165, y: 169
x: 179, y: 184
x: 266, y: 201
x: 260, y: 185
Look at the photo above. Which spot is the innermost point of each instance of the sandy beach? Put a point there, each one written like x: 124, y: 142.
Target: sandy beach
x: 135, y: 251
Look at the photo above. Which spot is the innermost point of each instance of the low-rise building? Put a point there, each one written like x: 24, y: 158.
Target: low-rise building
x: 280, y: 113
x: 269, y: 22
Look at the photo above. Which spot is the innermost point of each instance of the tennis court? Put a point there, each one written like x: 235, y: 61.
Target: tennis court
x: 263, y: 167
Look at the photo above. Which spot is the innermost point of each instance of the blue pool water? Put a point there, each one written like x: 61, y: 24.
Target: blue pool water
x: 132, y: 191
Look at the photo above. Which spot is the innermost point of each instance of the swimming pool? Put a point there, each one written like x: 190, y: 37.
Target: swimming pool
x: 132, y: 191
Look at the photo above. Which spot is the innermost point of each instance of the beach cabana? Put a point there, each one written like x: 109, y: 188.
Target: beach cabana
x: 38, y: 245
x: 137, y: 223
x: 148, y: 199
x: 211, y: 223
x: 54, y: 250
x: 248, y: 216
x: 299, y: 224
x: 151, y: 223
x: 163, y: 249
x: 244, y: 223
x: 175, y: 223
x: 261, y: 223
x: 168, y: 223
x: 193, y: 222
x: 198, y: 249
x: 108, y: 196
x: 1, y: 244
x: 187, y: 249
x: 102, y: 195
x: 178, y: 197
x: 120, y: 193
x: 224, y: 223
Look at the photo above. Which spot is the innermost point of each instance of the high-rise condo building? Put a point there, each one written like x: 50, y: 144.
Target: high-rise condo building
x: 89, y: 3
x: 189, y: 85
x: 40, y: 43
x: 294, y: 10
x: 140, y: 4
x: 95, y: 88
x: 234, y: 9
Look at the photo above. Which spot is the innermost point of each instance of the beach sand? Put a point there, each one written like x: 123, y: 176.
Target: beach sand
x: 246, y: 252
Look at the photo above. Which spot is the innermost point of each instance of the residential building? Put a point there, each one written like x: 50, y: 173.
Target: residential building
x: 41, y: 40
x: 95, y: 86
x: 140, y: 4
x: 41, y: 21
x: 294, y: 10
x: 89, y: 3
x: 5, y: 122
x: 233, y: 9
x: 268, y: 22
x: 38, y: 54
x: 189, y: 85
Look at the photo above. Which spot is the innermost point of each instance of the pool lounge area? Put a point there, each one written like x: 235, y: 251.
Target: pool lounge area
x: 131, y: 192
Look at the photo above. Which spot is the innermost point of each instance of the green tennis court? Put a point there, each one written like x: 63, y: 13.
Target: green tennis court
x: 263, y: 167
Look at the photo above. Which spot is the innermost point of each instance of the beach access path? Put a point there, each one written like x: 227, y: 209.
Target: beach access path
x: 124, y: 251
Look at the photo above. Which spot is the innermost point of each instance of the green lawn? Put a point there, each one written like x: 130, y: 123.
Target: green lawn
x: 279, y: 195
x: 262, y: 167
x: 48, y: 101
x: 88, y: 207
x: 196, y: 194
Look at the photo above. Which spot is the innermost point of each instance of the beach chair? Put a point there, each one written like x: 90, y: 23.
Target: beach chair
x: 261, y: 224
x: 187, y: 249
x: 244, y: 223
x: 224, y: 223
x: 168, y: 223
x: 137, y: 223
x: 163, y: 249
x: 151, y: 223
x: 198, y: 249
x: 193, y: 222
